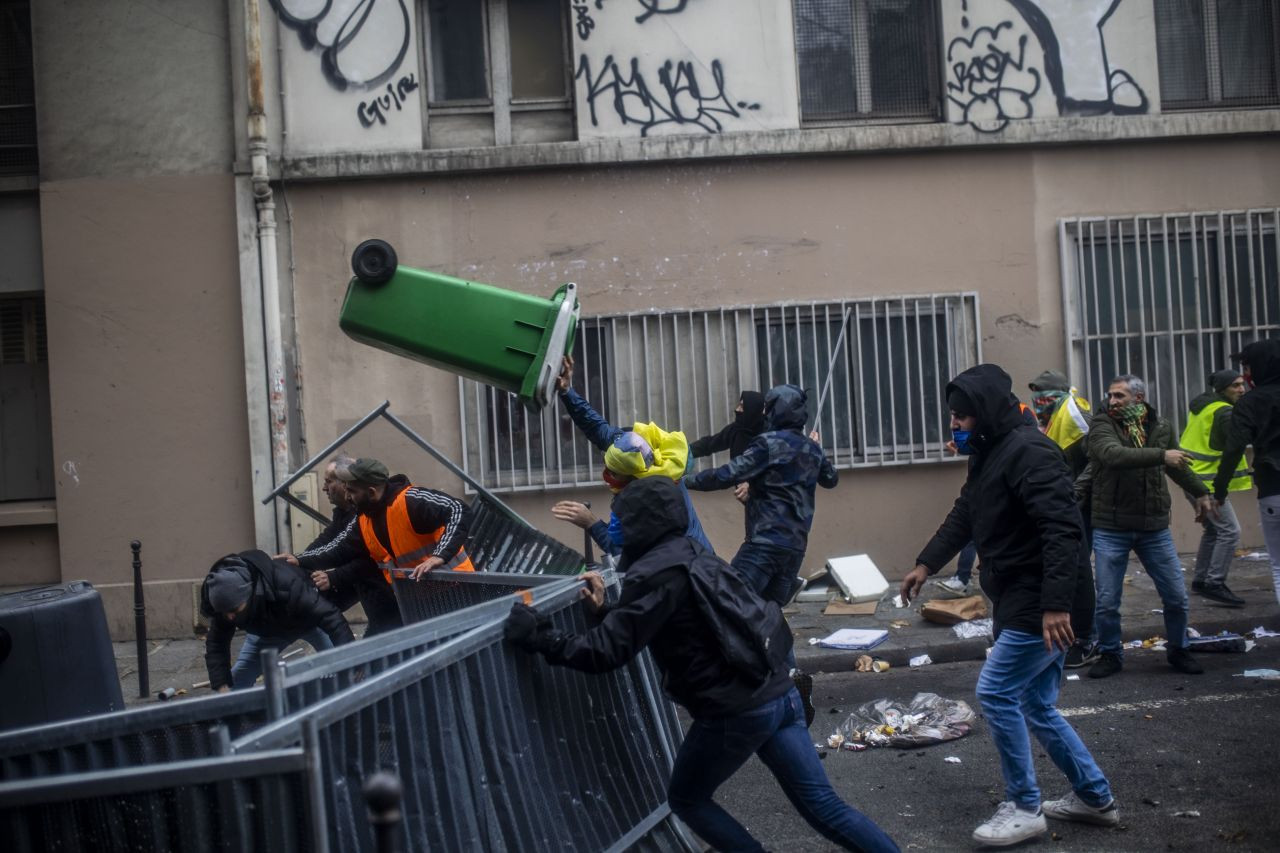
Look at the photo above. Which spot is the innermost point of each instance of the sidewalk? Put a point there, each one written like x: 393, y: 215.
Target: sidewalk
x: 1249, y: 579
x: 180, y: 663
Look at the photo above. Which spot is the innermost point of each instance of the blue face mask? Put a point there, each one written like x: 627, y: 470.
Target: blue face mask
x: 962, y: 438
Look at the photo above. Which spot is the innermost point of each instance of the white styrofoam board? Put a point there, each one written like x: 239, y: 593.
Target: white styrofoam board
x: 858, y: 577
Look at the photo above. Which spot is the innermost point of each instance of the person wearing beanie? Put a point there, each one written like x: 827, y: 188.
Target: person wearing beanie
x: 748, y: 422
x: 1255, y: 420
x: 1017, y: 505
x: 274, y: 603
x: 645, y: 450
x: 1204, y: 439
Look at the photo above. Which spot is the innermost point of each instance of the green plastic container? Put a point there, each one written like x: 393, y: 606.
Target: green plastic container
x: 502, y: 338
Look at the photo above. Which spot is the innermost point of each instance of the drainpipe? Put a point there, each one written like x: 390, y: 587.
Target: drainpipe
x: 268, y: 272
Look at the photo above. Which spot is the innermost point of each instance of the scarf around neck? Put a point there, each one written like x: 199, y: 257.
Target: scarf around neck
x: 1132, y: 417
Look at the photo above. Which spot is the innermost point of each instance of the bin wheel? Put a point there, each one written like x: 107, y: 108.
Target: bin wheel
x: 374, y: 261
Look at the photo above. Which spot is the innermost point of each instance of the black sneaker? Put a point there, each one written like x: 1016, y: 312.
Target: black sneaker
x: 1197, y: 586
x: 1182, y: 661
x: 1219, y: 592
x: 1108, y: 663
x: 1080, y: 655
x: 804, y: 684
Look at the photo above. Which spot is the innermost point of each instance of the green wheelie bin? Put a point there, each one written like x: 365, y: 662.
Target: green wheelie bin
x: 502, y: 338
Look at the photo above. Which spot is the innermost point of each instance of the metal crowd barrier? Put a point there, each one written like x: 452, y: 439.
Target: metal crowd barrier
x: 267, y: 801
x: 502, y: 543
x: 181, y: 730
x: 497, y: 750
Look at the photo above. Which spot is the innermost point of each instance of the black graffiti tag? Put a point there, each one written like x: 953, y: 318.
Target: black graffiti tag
x: 658, y: 7
x: 980, y: 72
x: 679, y: 97
x: 375, y: 110
x: 389, y: 42
x: 583, y: 22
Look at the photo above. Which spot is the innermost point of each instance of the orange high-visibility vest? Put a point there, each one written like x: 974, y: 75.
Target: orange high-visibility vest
x: 408, y: 547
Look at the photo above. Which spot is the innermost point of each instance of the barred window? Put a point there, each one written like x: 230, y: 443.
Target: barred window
x: 26, y: 445
x: 1218, y: 53
x: 17, y: 91
x: 1168, y: 297
x: 888, y: 361
x: 867, y: 59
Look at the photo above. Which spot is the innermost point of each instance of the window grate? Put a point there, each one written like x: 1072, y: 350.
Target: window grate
x: 1168, y: 297
x: 867, y: 59
x: 18, y: 153
x: 1218, y: 53
x: 685, y: 370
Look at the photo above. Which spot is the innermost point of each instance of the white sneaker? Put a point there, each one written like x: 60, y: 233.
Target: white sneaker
x: 1072, y: 807
x: 952, y: 587
x: 1010, y: 825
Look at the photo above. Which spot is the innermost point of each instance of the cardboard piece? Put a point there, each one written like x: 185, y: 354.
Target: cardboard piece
x: 858, y: 578
x: 841, y: 608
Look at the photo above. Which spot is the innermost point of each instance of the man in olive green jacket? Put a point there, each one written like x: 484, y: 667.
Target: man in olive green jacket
x: 1131, y: 451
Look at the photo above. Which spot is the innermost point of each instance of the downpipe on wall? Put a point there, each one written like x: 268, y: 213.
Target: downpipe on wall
x: 268, y: 271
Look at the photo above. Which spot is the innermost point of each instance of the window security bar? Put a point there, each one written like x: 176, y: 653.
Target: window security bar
x: 685, y: 370
x: 1167, y: 297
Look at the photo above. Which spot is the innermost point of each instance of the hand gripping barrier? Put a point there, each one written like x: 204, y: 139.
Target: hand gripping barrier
x: 185, y: 729
x: 496, y: 749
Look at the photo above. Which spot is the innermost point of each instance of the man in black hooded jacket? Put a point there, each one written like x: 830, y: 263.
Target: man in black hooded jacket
x: 1256, y: 420
x: 734, y: 716
x: 1017, y: 505
x: 270, y: 600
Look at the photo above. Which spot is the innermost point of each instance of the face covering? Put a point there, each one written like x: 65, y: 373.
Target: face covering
x: 962, y: 438
x: 1132, y: 418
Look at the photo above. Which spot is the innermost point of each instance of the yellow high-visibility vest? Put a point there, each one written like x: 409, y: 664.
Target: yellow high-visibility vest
x: 1204, y: 459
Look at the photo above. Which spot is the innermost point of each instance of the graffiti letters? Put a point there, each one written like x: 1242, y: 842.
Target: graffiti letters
x: 583, y: 21
x: 679, y: 98
x: 993, y: 76
x: 375, y: 110
x: 659, y: 7
x: 361, y: 42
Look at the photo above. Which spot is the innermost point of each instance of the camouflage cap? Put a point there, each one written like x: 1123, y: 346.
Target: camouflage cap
x: 369, y: 472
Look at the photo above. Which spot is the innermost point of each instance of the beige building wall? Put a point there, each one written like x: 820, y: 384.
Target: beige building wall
x: 675, y: 235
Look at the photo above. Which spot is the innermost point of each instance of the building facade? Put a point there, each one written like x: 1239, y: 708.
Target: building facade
x: 861, y: 196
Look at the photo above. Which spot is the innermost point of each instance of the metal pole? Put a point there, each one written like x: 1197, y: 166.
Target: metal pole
x: 831, y: 366
x: 382, y: 792
x: 140, y: 621
x: 273, y: 683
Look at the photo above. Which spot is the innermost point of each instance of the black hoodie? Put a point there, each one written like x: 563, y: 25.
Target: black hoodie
x: 657, y: 609
x: 1018, y: 507
x: 283, y: 603
x: 735, y: 437
x: 1255, y: 419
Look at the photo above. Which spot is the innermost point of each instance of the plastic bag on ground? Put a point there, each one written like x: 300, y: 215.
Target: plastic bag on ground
x: 973, y: 629
x: 927, y: 719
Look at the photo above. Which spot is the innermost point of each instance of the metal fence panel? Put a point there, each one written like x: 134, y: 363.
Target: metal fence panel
x: 496, y: 749
x: 260, y: 802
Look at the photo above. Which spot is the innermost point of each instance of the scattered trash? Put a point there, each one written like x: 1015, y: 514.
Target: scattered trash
x: 1161, y: 612
x: 951, y: 759
x: 1224, y: 642
x: 866, y: 663
x: 1260, y: 632
x: 166, y: 694
x: 879, y: 665
x: 853, y: 746
x: 854, y: 638
x: 199, y: 684
x: 899, y: 623
x: 818, y: 592
x: 973, y: 629
x: 1154, y: 643
x: 1190, y: 813
x: 843, y: 608
x: 1132, y: 644
x: 898, y: 602
x: 949, y: 611
x: 1150, y: 802
x: 835, y: 740
x: 920, y: 660
x: 858, y: 578
x: 1073, y: 677
x: 927, y: 719
x: 1147, y: 717
x: 1268, y: 674
x: 1259, y: 556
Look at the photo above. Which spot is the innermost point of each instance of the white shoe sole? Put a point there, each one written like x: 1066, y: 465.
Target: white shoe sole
x: 1111, y: 818
x: 1009, y: 842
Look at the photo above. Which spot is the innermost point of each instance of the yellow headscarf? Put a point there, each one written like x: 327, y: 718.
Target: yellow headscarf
x: 670, y: 454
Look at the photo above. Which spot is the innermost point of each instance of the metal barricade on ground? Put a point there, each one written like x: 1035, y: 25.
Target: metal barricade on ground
x: 497, y: 750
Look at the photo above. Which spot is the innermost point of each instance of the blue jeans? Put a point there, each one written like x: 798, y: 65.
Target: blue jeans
x: 772, y: 571
x: 964, y: 563
x: 1156, y: 553
x: 714, y: 749
x: 248, y: 665
x: 1017, y: 689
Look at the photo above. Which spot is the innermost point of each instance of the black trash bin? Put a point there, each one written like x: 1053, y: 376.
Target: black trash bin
x: 56, y: 659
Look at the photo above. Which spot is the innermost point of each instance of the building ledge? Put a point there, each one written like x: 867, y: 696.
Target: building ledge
x: 28, y: 513
x: 857, y: 139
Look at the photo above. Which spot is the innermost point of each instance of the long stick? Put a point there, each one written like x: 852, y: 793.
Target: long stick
x: 831, y: 366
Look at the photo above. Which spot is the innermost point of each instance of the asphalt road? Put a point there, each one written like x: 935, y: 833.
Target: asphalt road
x: 1168, y: 743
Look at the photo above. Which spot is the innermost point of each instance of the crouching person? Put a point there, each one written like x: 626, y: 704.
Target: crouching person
x: 736, y: 713
x: 270, y: 600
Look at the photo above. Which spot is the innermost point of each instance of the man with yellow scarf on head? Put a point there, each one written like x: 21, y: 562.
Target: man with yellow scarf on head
x: 1063, y: 415
x: 646, y: 450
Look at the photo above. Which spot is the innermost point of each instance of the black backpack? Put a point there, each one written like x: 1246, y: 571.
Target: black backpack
x: 751, y: 631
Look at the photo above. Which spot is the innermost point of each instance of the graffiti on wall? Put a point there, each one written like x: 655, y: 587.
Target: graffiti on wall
x: 687, y: 76
x: 1008, y: 51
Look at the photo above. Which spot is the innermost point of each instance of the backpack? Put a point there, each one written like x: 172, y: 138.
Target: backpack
x: 751, y: 632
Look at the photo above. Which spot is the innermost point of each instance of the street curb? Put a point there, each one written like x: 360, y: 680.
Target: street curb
x: 950, y: 649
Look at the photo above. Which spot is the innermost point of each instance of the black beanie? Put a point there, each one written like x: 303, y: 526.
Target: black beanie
x: 961, y: 403
x: 1219, y: 380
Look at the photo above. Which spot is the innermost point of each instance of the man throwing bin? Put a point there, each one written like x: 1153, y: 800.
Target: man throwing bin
x: 1017, y: 505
